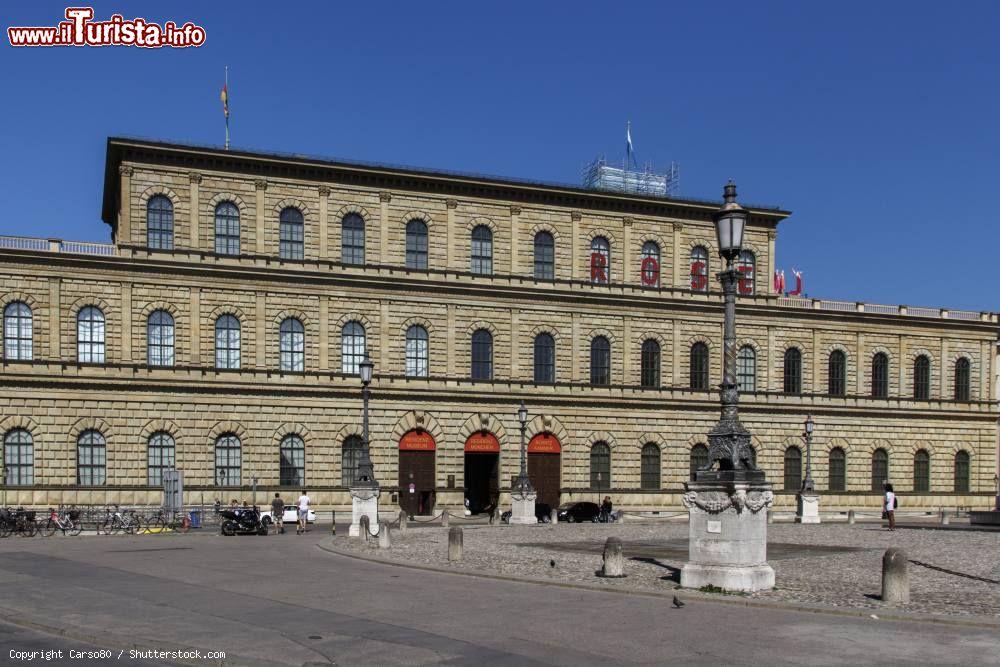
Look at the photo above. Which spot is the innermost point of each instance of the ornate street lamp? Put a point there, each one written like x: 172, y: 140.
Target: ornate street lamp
x: 523, y: 494
x: 365, y: 488
x: 807, y: 483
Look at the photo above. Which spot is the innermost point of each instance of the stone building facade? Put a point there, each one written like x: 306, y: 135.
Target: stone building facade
x: 219, y: 334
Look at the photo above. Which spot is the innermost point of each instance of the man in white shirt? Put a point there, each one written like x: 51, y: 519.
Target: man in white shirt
x: 303, y: 503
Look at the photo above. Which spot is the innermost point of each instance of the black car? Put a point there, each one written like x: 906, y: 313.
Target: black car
x: 578, y: 512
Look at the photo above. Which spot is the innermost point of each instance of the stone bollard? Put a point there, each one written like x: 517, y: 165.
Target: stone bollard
x: 895, y: 577
x: 554, y: 517
x: 850, y: 517
x: 333, y: 523
x: 945, y: 519
x: 620, y: 518
x: 614, y: 561
x: 455, y: 544
x: 365, y: 527
x: 444, y: 518
x: 770, y: 516
x: 384, y: 539
x: 403, y: 519
x: 496, y: 520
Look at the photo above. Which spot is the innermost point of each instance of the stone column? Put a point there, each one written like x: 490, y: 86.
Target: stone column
x: 324, y: 332
x: 194, y: 217
x: 124, y: 232
x: 383, y: 225
x: 324, y: 233
x: 449, y: 262
x: 515, y: 237
x: 195, y: 326
x: 574, y: 247
x: 261, y: 226
x: 677, y: 280
x: 260, y: 324
x: 772, y: 235
x: 55, y: 319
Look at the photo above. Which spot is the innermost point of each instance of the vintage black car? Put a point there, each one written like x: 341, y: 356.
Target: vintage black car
x: 578, y: 512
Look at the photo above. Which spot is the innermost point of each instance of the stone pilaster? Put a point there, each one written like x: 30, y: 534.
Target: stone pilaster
x: 575, y: 346
x: 515, y: 343
x: 677, y: 278
x: 944, y: 368
x: 772, y: 235
x: 260, y: 327
x: 626, y: 347
x: 261, y: 226
x: 324, y: 232
x: 860, y: 364
x: 324, y: 333
x: 449, y: 342
x: 127, y: 334
x: 449, y: 261
x: 194, y: 224
x: 515, y: 234
x: 124, y: 233
x: 383, y: 226
x: 55, y: 319
x: 815, y: 385
x: 629, y: 271
x: 574, y: 247
x: 195, y: 326
x: 383, y: 327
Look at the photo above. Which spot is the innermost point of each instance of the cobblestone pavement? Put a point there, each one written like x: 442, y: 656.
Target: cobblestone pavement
x: 836, y: 565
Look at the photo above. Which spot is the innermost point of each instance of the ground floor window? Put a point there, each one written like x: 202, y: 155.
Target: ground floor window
x: 228, y: 461
x: 292, y: 469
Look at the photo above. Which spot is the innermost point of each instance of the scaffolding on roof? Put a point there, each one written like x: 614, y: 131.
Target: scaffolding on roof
x: 599, y: 175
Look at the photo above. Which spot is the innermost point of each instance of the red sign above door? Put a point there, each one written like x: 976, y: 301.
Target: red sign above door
x: 417, y: 440
x: 482, y: 442
x: 544, y: 443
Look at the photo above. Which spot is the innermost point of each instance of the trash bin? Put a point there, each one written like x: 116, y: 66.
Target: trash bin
x: 196, y: 518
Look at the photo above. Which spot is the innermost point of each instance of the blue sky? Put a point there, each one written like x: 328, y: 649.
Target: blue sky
x: 875, y: 123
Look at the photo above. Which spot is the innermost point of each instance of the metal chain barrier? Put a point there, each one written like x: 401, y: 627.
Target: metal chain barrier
x: 953, y: 572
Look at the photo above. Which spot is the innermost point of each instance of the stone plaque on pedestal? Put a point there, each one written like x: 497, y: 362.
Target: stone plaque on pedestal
x: 522, y: 509
x: 807, y: 507
x: 364, y: 502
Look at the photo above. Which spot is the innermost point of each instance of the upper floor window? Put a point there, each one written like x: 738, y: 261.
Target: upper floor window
x: 600, y: 466
x: 880, y: 375
x: 352, y: 240
x: 160, y: 339
x: 699, y: 459
x: 699, y: 269
x: 649, y: 471
x: 699, y: 366
x: 961, y: 471
x: 545, y: 358
x: 160, y: 223
x: 837, y: 474
x: 922, y: 471
x: 793, y: 371
x: 600, y: 361
x: 650, y: 268
x: 545, y: 256
x: 227, y: 228
x: 922, y: 377
x: 160, y: 456
x: 746, y: 369
x: 482, y: 355
x: 91, y: 459
x: 837, y: 373
x: 482, y: 251
x: 600, y: 261
x: 793, y: 468
x: 291, y: 345
x: 227, y: 342
x: 292, y: 464
x: 880, y: 469
x: 962, y: 376
x: 291, y: 233
x: 416, y: 244
x: 17, y: 329
x: 352, y: 347
x: 228, y: 460
x: 90, y: 335
x: 416, y: 352
x: 18, y: 458
x: 650, y: 364
x: 746, y: 264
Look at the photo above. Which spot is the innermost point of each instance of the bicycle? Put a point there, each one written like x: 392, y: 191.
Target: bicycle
x: 178, y: 522
x: 116, y: 520
x: 68, y: 522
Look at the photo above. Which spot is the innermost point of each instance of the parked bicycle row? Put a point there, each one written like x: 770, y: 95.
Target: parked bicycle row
x: 102, y: 521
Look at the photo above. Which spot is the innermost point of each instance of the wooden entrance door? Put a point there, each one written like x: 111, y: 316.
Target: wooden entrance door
x: 416, y: 468
x: 482, y: 485
x: 543, y: 471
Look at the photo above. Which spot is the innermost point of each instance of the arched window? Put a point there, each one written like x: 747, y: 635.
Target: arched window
x: 292, y: 467
x: 227, y: 342
x: 699, y: 269
x: 352, y: 347
x: 650, y: 364
x: 416, y: 244
x: 699, y: 458
x: 291, y: 345
x: 90, y: 335
x: 228, y: 460
x: 880, y: 469
x: 160, y: 223
x: 880, y: 375
x: 482, y: 251
x: 482, y: 355
x: 961, y: 471
x: 350, y: 458
x: 600, y: 261
x: 746, y: 369
x: 291, y: 234
x: 837, y: 373
x: 837, y: 477
x: 91, y: 459
x: 649, y: 270
x: 545, y: 358
x: 160, y: 456
x: 922, y: 377
x: 746, y: 264
x: 18, y: 458
x: 921, y: 471
x: 649, y: 473
x: 160, y: 338
x: 227, y: 228
x: 600, y: 466
x: 699, y: 366
x: 962, y: 376
x: 416, y: 352
x: 793, y: 371
x: 17, y: 328
x: 352, y: 240
x: 793, y: 468
x: 600, y: 361
x: 545, y: 256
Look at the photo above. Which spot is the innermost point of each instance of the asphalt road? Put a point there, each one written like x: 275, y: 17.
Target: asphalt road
x: 280, y: 600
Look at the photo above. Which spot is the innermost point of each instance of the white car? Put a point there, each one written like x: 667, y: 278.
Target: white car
x: 291, y: 516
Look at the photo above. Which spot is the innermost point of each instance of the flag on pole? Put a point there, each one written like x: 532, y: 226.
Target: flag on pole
x: 798, y: 284
x: 224, y: 96
x: 629, y: 150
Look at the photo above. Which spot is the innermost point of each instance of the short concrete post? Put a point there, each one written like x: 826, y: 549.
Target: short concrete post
x: 614, y: 561
x: 403, y: 520
x: 384, y: 539
x: 945, y: 519
x: 333, y: 522
x: 444, y: 518
x: 770, y: 516
x: 365, y: 527
x: 455, y: 544
x: 554, y: 516
x: 496, y: 520
x: 850, y: 517
x: 895, y: 577
x: 620, y: 518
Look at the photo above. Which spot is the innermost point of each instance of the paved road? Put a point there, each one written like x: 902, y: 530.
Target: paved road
x: 282, y: 600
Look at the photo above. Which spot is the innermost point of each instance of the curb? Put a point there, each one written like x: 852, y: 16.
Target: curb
x: 687, y: 594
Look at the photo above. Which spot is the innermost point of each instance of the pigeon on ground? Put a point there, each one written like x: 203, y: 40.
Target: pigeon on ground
x: 677, y: 602
x: 552, y: 563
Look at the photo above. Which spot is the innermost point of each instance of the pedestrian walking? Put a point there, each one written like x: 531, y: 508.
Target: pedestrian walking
x: 278, y: 514
x: 303, y: 504
x: 890, y: 506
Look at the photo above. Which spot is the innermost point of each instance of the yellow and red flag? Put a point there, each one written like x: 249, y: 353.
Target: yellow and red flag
x: 225, y: 99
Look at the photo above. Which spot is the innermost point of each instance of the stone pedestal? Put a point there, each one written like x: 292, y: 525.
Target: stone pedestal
x: 522, y: 510
x: 807, y: 507
x: 364, y: 502
x: 728, y: 534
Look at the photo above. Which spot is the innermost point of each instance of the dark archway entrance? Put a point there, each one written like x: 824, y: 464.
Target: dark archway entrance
x: 482, y: 469
x: 544, y: 452
x: 416, y: 472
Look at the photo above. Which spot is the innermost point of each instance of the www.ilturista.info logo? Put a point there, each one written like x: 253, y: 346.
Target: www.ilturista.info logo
x: 81, y: 30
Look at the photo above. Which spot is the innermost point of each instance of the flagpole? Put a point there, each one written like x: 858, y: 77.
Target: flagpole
x: 227, y: 102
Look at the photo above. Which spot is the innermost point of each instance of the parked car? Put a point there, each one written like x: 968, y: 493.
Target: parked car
x: 578, y: 512
x: 290, y: 516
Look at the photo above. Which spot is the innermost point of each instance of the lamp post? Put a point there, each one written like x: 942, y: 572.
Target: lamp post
x: 807, y: 483
x: 364, y: 488
x: 807, y: 500
x: 523, y: 494
x: 727, y: 530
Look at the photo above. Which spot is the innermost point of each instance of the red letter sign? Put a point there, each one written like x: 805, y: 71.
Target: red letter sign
x: 598, y: 268
x: 650, y: 272
x: 699, y: 281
